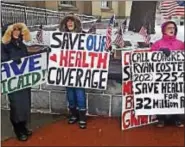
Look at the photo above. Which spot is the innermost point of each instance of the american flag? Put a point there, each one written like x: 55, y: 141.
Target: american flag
x: 109, y: 33
x: 146, y: 36
x: 39, y: 35
x: 171, y: 8
x: 92, y: 29
x: 119, y: 38
x: 124, y: 26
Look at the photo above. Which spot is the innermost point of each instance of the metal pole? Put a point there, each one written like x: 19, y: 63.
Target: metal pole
x: 25, y: 16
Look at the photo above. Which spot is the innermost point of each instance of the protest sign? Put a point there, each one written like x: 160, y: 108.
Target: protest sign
x: 129, y: 119
x: 31, y: 72
x: 78, y: 60
x: 158, y: 82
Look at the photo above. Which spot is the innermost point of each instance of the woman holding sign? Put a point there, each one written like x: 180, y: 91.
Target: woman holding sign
x: 76, y: 96
x: 166, y: 44
x: 20, y: 101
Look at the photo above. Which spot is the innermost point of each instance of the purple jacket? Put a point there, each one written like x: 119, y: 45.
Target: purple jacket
x: 167, y: 41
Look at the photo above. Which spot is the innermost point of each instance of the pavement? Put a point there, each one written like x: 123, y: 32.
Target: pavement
x: 36, y: 122
x: 100, y: 132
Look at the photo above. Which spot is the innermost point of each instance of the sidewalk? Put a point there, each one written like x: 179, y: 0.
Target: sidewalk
x: 101, y: 132
x: 38, y: 120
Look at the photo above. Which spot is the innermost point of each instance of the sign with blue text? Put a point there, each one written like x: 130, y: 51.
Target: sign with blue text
x: 78, y: 60
x: 32, y: 71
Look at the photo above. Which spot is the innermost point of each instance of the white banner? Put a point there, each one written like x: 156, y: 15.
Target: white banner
x: 158, y: 82
x: 129, y: 119
x: 78, y: 60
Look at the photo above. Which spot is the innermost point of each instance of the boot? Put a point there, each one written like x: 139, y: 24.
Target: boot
x: 73, y: 118
x: 25, y: 129
x: 82, y: 119
x: 21, y: 136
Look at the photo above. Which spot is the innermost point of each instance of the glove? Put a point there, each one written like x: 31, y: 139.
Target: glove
x: 18, y: 61
x: 165, y: 51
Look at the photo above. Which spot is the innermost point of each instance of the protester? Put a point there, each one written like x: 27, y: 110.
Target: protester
x: 13, y: 48
x: 166, y: 44
x: 76, y: 96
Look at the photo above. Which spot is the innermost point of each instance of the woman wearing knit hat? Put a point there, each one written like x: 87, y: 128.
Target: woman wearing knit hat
x: 166, y: 44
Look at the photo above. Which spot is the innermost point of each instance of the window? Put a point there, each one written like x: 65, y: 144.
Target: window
x: 68, y: 3
x: 106, y: 4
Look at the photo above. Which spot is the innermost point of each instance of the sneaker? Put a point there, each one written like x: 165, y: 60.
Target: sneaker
x: 72, y: 120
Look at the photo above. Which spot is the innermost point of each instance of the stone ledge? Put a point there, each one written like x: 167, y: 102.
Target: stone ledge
x: 113, y: 88
x: 49, y: 87
x: 94, y: 91
x: 116, y: 106
x: 58, y: 102
x: 98, y: 104
x: 36, y: 87
x: 40, y: 100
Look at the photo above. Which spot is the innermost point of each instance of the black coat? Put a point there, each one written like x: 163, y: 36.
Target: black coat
x: 20, y: 101
x: 4, y: 54
x: 16, y: 49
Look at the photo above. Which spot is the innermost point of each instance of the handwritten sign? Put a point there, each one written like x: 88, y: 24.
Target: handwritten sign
x: 78, y: 60
x: 129, y: 119
x: 158, y: 82
x: 31, y: 72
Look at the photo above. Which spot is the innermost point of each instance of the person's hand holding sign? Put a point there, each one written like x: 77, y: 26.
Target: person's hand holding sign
x: 165, y: 51
x: 18, y: 61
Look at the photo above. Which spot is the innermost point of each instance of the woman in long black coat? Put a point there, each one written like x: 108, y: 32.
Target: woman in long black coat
x: 14, y: 49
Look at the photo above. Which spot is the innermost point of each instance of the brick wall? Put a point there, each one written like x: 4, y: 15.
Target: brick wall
x: 50, y: 99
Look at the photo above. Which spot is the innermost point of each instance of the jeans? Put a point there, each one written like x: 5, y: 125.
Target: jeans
x: 76, y: 98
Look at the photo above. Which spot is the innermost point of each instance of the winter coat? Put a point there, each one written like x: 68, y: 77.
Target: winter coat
x: 168, y: 42
x: 76, y: 96
x: 14, y: 49
x: 78, y: 25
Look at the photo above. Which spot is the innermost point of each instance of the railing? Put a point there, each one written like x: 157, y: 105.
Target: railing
x: 32, y: 16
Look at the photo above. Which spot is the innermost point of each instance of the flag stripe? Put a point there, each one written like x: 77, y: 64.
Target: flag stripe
x: 146, y: 36
x: 109, y: 33
x: 39, y: 36
x: 171, y: 8
x: 119, y: 38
